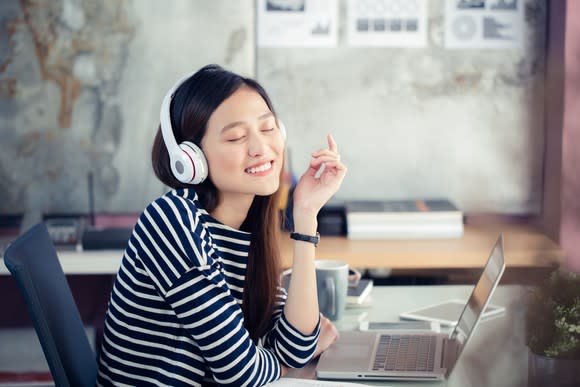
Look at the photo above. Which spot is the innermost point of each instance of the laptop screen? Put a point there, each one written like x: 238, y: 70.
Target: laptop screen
x: 481, y: 293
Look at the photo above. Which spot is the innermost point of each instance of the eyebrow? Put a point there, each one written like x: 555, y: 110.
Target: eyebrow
x: 239, y: 123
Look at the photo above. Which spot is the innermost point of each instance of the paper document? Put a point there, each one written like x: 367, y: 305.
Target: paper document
x: 480, y: 24
x: 297, y: 23
x: 387, y: 23
x: 313, y: 383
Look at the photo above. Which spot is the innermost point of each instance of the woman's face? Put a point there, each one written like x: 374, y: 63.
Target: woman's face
x: 244, y: 146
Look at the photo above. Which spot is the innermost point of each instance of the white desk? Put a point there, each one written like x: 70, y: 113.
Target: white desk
x: 525, y: 248
x: 495, y: 356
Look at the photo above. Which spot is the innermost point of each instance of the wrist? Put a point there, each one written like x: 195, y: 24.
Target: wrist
x: 304, y: 211
x: 307, y: 226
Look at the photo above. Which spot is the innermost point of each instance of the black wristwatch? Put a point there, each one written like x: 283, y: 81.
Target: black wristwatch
x: 306, y: 238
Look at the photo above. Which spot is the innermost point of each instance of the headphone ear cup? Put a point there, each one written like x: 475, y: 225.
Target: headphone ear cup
x: 181, y: 165
x: 197, y: 163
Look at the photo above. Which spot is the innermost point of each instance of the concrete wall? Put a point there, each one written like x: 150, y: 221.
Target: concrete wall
x: 466, y: 124
x: 81, y: 83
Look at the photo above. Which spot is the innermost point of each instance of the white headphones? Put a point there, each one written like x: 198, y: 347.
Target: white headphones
x: 188, y: 163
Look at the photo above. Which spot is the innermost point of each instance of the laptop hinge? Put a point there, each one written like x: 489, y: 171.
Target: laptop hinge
x: 450, y: 353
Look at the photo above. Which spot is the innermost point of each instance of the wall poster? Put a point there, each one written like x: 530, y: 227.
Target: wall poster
x: 387, y: 23
x: 481, y: 24
x: 297, y: 23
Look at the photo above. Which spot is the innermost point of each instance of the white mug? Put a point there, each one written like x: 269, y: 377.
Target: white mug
x: 332, y: 287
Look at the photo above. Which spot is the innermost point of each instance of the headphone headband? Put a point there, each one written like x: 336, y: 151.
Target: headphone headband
x: 165, y: 115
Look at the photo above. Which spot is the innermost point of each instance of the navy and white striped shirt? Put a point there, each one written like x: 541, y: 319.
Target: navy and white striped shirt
x: 175, y: 318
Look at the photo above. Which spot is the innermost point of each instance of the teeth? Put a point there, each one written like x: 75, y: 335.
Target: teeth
x: 261, y: 168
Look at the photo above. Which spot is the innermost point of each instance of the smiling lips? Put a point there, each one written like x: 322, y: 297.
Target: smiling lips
x: 261, y: 169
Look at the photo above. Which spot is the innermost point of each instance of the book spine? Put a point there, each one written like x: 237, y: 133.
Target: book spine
x: 410, y: 232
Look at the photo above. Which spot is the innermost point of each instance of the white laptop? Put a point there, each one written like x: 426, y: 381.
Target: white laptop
x: 396, y: 355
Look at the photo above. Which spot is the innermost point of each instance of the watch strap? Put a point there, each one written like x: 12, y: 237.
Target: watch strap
x: 306, y: 238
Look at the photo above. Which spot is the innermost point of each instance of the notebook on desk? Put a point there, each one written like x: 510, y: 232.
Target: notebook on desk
x: 390, y: 355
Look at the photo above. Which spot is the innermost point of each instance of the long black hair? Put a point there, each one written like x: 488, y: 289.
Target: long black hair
x: 192, y: 105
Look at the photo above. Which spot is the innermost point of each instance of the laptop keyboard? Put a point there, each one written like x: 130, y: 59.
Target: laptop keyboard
x: 405, y: 353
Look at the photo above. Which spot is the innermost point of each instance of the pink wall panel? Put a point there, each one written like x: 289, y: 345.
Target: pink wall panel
x: 570, y: 187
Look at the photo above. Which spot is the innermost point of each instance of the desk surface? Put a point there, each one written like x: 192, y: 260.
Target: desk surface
x: 496, y: 355
x: 524, y: 248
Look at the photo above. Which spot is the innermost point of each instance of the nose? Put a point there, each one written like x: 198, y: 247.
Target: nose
x: 257, y: 145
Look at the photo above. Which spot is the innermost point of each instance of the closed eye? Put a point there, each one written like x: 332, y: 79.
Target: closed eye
x: 268, y: 130
x: 237, y: 139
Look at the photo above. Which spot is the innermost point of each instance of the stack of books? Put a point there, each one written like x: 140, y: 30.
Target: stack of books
x: 358, y: 292
x: 403, y: 219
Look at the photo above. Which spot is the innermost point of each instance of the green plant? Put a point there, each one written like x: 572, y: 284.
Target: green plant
x: 553, y: 316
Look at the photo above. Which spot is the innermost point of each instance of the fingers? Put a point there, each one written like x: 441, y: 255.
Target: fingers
x: 334, y: 167
x: 331, y: 143
x: 334, y: 163
x: 324, y: 158
x: 332, y: 147
x: 320, y: 171
x: 328, y: 159
x: 327, y: 152
x: 325, y: 155
x: 328, y: 330
x: 327, y: 326
x: 328, y: 335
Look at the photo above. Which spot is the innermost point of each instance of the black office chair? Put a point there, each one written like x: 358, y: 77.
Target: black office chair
x: 33, y: 262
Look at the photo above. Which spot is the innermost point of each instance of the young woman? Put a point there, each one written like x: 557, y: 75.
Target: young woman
x: 197, y: 297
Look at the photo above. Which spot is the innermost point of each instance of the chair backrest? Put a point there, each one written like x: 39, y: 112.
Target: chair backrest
x: 32, y: 261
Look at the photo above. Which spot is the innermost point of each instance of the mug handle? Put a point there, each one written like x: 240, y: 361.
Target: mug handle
x: 354, y: 277
x: 331, y: 288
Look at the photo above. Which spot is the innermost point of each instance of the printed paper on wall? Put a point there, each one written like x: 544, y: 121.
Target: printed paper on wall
x: 387, y: 23
x: 297, y: 23
x: 480, y: 24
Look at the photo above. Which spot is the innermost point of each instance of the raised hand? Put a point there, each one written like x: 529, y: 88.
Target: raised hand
x: 313, y: 191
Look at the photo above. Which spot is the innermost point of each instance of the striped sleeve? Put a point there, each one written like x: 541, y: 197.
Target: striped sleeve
x: 293, y: 348
x: 178, y: 259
